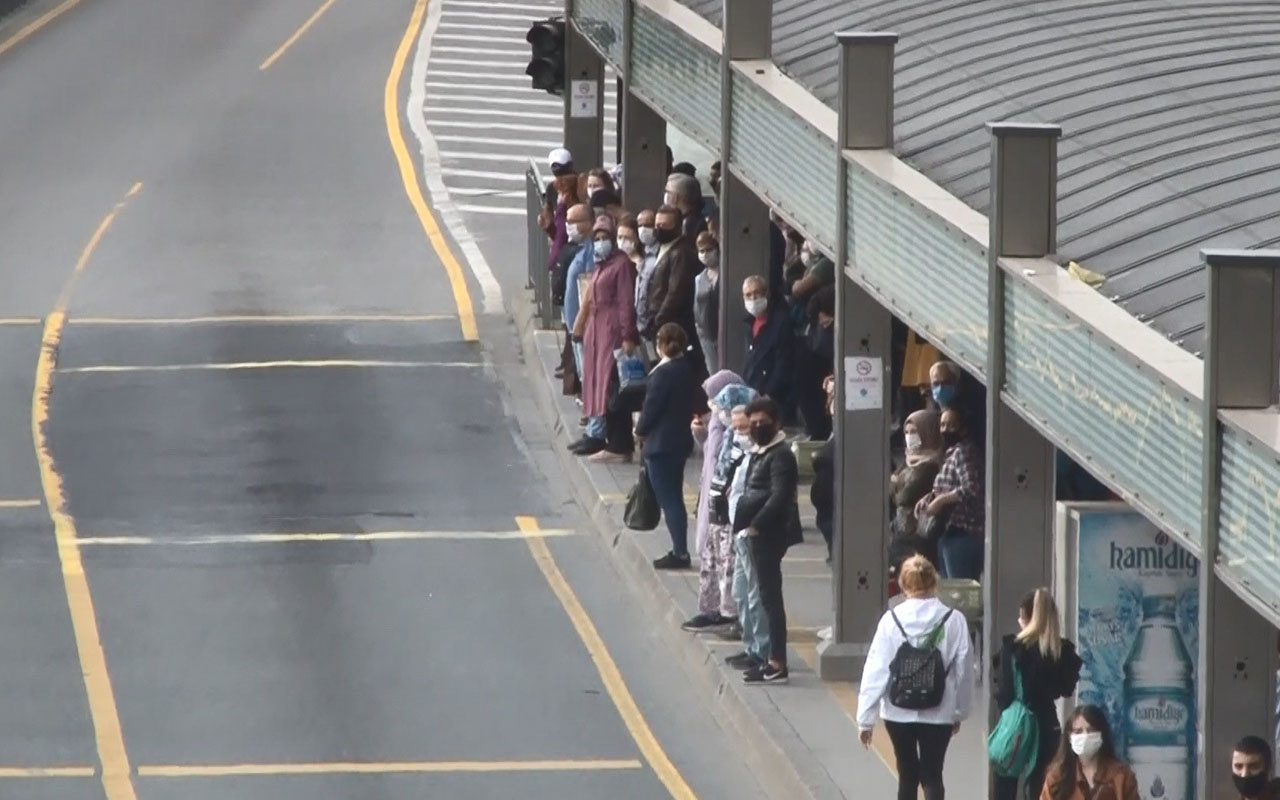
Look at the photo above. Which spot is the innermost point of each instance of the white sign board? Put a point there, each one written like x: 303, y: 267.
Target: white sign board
x: 585, y: 103
x: 863, y: 383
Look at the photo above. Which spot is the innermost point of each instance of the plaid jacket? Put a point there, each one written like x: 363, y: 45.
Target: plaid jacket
x: 962, y: 472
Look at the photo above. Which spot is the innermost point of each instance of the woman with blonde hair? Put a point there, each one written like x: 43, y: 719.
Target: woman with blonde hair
x: 1049, y: 668
x: 920, y: 653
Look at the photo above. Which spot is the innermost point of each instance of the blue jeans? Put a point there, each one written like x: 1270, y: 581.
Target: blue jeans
x: 666, y: 475
x: 746, y: 593
x: 961, y: 554
x: 596, y: 428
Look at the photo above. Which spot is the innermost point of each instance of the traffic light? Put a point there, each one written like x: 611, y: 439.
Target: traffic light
x: 547, y: 67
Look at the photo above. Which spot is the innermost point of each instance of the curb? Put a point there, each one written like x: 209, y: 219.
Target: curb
x: 780, y: 762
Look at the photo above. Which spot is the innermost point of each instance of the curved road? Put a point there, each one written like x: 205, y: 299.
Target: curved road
x: 267, y: 529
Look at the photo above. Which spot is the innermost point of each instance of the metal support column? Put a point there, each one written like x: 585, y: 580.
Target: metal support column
x: 1020, y: 462
x: 643, y: 135
x: 744, y: 218
x: 583, y: 97
x: 1236, y: 668
x: 863, y: 345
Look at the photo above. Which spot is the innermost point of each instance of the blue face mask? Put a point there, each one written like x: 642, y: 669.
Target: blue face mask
x: 944, y: 394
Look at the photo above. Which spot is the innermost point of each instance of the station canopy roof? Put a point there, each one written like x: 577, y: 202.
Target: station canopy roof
x: 1170, y: 113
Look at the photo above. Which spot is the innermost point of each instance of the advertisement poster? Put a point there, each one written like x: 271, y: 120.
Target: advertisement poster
x: 1138, y: 599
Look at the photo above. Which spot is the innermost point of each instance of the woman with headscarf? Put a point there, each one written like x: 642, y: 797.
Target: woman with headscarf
x: 610, y: 326
x: 708, y: 430
x: 913, y: 481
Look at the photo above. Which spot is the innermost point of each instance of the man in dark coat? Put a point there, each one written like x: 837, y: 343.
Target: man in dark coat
x: 770, y: 341
x: 671, y: 288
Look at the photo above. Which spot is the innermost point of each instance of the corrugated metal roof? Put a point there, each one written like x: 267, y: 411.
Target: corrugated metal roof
x: 1169, y: 109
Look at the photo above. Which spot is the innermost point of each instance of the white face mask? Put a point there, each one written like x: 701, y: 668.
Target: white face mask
x: 647, y: 236
x: 710, y: 259
x: 807, y: 258
x: 603, y: 249
x: 575, y: 233
x: 913, y: 441
x: 1086, y: 745
x: 757, y: 306
x: 627, y: 246
x: 742, y: 440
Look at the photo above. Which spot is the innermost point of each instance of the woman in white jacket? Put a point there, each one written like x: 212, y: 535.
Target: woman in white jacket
x: 920, y: 736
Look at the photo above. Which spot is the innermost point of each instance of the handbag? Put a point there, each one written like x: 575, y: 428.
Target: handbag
x: 642, y: 512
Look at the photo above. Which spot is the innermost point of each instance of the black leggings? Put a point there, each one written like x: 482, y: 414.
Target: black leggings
x: 920, y: 749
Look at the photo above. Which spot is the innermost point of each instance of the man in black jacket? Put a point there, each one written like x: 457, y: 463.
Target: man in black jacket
x: 771, y: 344
x: 671, y: 287
x: 769, y: 516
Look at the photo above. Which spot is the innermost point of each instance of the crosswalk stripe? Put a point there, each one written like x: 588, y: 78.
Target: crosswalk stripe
x: 462, y: 37
x: 519, y: 159
x: 519, y: 77
x: 510, y: 212
x: 509, y: 6
x: 514, y: 177
x: 501, y: 126
x: 520, y: 88
x: 518, y: 56
x: 472, y: 191
x: 482, y: 15
x: 469, y: 62
x: 541, y: 145
x: 488, y: 112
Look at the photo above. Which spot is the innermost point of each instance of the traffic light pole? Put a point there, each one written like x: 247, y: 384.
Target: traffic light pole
x: 583, y: 101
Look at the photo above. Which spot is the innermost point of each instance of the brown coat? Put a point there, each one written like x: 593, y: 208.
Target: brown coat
x: 1113, y: 781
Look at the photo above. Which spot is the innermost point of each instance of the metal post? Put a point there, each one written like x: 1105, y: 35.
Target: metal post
x: 863, y: 344
x: 744, y: 217
x: 1020, y: 462
x: 583, y: 97
x: 1235, y: 693
x: 643, y: 135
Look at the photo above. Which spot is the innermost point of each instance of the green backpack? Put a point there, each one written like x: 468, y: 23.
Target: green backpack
x: 1014, y: 745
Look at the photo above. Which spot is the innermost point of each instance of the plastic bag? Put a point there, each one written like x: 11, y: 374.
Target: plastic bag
x: 631, y: 371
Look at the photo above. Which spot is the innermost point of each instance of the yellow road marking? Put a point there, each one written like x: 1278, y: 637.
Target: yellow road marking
x: 609, y: 673
x: 234, y: 366
x: 290, y: 538
x: 31, y: 503
x: 376, y: 768
x: 47, y: 772
x: 255, y: 319
x: 409, y: 175
x: 116, y: 779
x: 36, y: 24
x: 271, y: 59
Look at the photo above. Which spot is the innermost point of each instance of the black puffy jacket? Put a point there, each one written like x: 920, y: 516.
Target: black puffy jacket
x: 768, y: 501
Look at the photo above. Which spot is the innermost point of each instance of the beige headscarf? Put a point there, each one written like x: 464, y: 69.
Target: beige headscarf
x: 928, y: 427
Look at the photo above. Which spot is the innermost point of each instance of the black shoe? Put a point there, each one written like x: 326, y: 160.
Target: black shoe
x: 743, y: 661
x: 673, y: 561
x: 733, y: 633
x: 766, y: 673
x: 586, y: 446
x: 704, y: 621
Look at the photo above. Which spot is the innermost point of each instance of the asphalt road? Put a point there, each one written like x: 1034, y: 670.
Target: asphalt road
x: 265, y: 516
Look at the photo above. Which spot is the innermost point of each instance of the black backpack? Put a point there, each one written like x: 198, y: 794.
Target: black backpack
x: 917, y: 675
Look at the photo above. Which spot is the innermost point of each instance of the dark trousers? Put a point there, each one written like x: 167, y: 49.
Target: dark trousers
x: 666, y: 476
x: 1050, y: 736
x: 920, y: 749
x: 810, y: 399
x: 768, y: 561
x: 617, y: 418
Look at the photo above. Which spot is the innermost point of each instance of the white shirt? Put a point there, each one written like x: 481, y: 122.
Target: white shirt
x: 739, y: 484
x: 919, y: 617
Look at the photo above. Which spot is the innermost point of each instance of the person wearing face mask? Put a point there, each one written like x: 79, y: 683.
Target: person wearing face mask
x: 664, y: 427
x: 1251, y: 770
x: 920, y: 736
x: 1086, y: 767
x: 770, y: 341
x: 611, y: 325
x: 598, y: 180
x: 671, y: 286
x: 648, y: 251
x: 562, y: 195
x: 753, y: 626
x: 706, y: 299
x: 814, y: 360
x: 577, y: 224
x: 715, y: 610
x: 958, y: 494
x: 911, y: 482
x: 768, y: 516
x: 819, y: 272
x: 1049, y: 668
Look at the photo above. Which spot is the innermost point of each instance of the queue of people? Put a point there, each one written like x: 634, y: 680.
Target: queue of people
x: 646, y: 286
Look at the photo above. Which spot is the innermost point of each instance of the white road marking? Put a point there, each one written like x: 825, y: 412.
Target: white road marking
x: 491, y: 126
x: 487, y: 4
x: 515, y: 77
x: 539, y: 145
x: 485, y: 51
x: 239, y: 366
x: 463, y: 37
x: 431, y: 166
x: 472, y: 191
x: 511, y: 212
x: 514, y: 159
x: 435, y: 111
x: 297, y: 538
x: 514, y: 177
x: 484, y: 28
x: 481, y: 15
